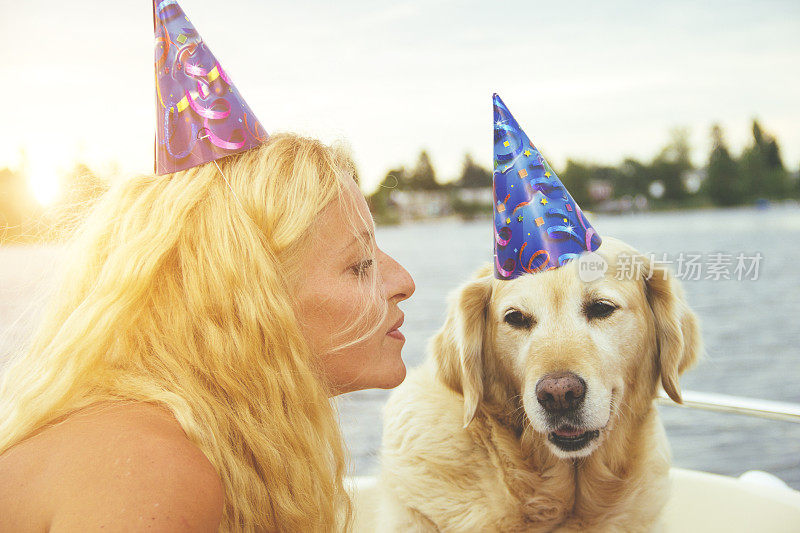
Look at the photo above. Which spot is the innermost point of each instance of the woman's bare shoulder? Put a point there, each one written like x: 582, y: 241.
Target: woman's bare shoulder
x: 112, y: 465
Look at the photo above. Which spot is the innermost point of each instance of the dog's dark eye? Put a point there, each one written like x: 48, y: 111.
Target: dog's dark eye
x: 516, y: 319
x: 599, y: 309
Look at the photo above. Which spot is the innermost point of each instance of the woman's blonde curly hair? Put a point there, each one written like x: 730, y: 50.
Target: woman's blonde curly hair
x: 176, y: 292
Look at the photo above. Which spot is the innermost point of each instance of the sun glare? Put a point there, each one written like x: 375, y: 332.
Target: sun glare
x: 44, y: 182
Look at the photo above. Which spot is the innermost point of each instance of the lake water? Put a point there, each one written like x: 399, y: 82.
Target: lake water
x: 750, y: 327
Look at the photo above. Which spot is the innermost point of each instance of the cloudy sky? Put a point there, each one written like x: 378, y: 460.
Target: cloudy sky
x: 595, y: 81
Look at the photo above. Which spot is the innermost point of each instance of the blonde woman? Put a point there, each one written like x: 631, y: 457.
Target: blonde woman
x: 180, y: 380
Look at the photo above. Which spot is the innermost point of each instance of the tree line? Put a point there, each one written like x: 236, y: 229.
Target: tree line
x: 758, y: 172
x: 725, y: 179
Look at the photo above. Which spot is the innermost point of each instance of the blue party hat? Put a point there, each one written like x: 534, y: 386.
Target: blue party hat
x: 537, y: 224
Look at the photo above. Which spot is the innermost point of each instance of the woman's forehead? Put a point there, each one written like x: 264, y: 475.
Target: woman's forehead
x: 355, y: 208
x: 343, y: 223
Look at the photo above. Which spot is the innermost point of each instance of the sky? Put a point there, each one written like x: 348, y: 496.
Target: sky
x: 592, y: 81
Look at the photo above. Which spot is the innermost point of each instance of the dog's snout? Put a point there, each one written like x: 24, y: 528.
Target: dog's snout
x: 560, y: 392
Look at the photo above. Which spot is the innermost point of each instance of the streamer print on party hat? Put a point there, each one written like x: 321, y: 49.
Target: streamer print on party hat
x: 537, y: 224
x: 200, y: 116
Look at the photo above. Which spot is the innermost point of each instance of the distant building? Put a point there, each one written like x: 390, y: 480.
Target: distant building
x: 600, y: 190
x: 475, y: 195
x: 414, y: 205
x: 626, y: 204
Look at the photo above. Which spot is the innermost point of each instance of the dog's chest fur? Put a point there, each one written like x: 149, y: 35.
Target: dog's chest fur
x: 546, y: 493
x: 540, y: 493
x: 492, y: 477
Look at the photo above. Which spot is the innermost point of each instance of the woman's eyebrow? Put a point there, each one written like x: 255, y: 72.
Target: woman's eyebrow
x: 366, y: 234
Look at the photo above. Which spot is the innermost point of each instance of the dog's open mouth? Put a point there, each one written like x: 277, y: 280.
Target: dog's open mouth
x: 571, y: 439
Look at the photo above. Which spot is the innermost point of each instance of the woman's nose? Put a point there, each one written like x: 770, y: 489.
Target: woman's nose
x: 398, y: 282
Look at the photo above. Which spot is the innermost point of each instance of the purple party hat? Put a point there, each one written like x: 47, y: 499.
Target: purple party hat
x: 200, y: 116
x: 537, y: 224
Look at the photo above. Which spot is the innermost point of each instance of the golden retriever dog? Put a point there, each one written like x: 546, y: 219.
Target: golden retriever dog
x: 534, y: 409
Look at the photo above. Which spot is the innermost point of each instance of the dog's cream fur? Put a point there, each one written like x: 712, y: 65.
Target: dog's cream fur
x: 465, y: 444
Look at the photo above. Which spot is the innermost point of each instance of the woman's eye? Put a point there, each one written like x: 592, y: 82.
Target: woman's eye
x: 516, y: 319
x: 600, y: 309
x: 362, y: 268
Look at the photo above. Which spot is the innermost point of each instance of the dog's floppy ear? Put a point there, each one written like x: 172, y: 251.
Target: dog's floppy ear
x: 458, y: 347
x: 677, y: 331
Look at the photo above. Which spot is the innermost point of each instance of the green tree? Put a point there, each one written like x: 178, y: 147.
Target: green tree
x: 762, y: 168
x: 380, y: 202
x: 423, y: 175
x: 797, y: 182
x: 634, y: 178
x: 723, y: 183
x: 473, y: 175
x: 576, y: 179
x: 671, y: 163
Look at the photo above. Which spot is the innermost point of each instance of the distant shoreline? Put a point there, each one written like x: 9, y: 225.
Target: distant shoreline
x: 592, y: 214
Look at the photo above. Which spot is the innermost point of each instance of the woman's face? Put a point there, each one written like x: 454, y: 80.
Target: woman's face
x: 336, y: 273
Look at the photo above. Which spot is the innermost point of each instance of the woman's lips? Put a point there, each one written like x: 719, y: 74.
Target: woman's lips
x: 396, y: 334
x: 395, y: 331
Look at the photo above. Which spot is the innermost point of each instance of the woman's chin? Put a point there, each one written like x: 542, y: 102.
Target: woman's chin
x: 391, y: 375
x: 388, y: 376
x: 397, y: 376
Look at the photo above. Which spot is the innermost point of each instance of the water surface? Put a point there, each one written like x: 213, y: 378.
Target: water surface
x: 750, y: 327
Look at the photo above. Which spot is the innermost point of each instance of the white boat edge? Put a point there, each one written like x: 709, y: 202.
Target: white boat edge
x: 724, y: 403
x: 699, y: 502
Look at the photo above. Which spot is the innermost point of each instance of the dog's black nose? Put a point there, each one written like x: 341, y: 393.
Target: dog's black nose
x: 560, y: 391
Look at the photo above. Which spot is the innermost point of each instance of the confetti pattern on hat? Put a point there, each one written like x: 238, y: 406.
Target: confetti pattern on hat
x: 537, y: 224
x: 200, y: 116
